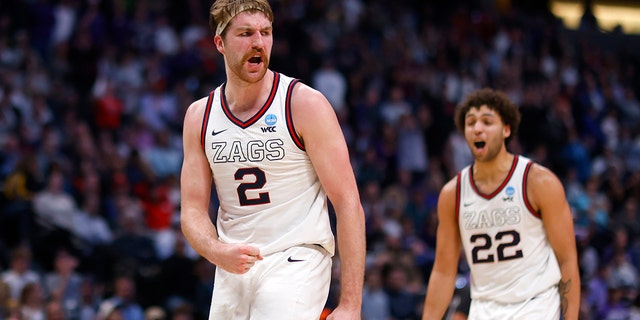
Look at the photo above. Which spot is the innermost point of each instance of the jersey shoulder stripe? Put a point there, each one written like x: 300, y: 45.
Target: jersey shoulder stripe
x: 458, y: 192
x: 205, y: 118
x: 525, y: 195
x: 289, y: 116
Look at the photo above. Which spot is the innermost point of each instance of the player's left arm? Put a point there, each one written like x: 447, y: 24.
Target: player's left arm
x: 547, y: 195
x: 316, y: 122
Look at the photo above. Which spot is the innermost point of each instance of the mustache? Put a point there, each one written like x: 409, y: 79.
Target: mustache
x: 259, y: 52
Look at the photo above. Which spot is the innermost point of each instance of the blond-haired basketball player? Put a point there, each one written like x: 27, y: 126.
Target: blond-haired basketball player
x: 274, y: 150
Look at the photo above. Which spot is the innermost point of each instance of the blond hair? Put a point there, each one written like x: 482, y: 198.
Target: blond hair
x: 222, y: 11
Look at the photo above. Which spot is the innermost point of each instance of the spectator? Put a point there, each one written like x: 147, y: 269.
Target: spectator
x: 598, y: 206
x: 332, y: 83
x: 366, y: 114
x: 63, y: 283
x: 9, y: 117
x: 90, y: 225
x: 54, y: 310
x: 90, y: 293
x: 370, y: 169
x: 166, y: 39
x: 133, y: 247
x: 126, y: 200
x: 7, y: 304
x: 51, y: 152
x: 182, y: 312
x: 110, y: 311
x: 403, y: 304
x: 21, y: 271
x: 123, y: 299
x: 597, y: 290
x: 634, y: 310
x: 32, y: 302
x: 155, y: 313
x: 457, y: 153
x: 158, y: 209
x: 164, y: 157
x: 178, y: 278
x: 11, y: 154
x: 577, y: 155
x: 375, y: 301
x: 395, y: 106
x: 19, y: 189
x: 36, y: 119
x: 204, y: 272
x: 54, y: 207
x: 615, y: 306
x: 158, y: 105
x: 623, y: 276
x: 412, y: 150
x: 109, y: 108
x: 630, y: 108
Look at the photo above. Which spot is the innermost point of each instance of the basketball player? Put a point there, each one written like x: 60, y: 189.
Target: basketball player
x: 274, y: 150
x: 511, y: 219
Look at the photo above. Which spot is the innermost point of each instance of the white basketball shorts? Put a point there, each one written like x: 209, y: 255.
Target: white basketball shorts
x: 291, y: 284
x: 545, y: 306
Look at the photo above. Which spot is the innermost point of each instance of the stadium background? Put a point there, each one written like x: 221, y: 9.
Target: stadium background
x: 92, y: 95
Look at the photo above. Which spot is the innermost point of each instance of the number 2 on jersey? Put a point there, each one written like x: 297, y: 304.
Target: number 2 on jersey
x: 260, y: 181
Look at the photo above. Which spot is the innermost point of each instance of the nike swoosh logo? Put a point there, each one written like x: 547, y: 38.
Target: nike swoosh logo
x: 213, y: 133
x: 293, y: 260
x: 468, y: 204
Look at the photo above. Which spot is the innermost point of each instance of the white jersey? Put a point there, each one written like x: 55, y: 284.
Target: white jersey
x: 270, y: 195
x: 504, y: 240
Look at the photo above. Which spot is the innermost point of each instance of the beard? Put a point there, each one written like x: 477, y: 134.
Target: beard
x: 238, y: 66
x: 491, y: 150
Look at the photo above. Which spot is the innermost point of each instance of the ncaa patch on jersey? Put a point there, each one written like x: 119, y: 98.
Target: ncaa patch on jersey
x: 510, y: 191
x: 270, y: 119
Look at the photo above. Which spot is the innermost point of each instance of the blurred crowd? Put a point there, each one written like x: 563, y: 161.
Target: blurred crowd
x: 92, y: 95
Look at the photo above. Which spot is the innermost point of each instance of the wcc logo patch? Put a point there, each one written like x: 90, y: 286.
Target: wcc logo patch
x: 270, y: 120
x: 509, y: 192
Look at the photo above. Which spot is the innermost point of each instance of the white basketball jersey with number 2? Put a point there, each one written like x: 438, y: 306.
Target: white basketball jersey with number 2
x: 269, y: 194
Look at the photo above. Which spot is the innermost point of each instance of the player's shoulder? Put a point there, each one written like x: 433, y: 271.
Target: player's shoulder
x: 309, y: 104
x: 195, y: 112
x: 540, y: 174
x: 301, y: 93
x: 199, y: 104
x: 542, y: 183
x: 450, y: 188
x: 304, y: 93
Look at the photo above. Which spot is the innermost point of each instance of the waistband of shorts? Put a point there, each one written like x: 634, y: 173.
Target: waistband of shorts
x: 314, y: 246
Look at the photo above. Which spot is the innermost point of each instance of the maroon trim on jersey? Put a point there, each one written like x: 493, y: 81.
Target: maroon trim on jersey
x: 259, y: 114
x: 504, y: 183
x: 289, y: 116
x: 524, y: 192
x: 458, y: 191
x: 205, y: 118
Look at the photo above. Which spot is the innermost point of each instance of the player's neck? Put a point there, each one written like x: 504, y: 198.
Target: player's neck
x: 494, y: 170
x: 244, y: 99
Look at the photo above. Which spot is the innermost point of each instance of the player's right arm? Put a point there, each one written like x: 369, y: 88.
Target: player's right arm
x: 195, y: 188
x: 448, y: 244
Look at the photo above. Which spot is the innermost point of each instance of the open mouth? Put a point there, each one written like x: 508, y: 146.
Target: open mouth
x: 479, y: 144
x: 255, y: 59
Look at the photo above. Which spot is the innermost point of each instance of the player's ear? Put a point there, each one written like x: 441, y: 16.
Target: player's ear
x: 506, y: 131
x: 217, y: 40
